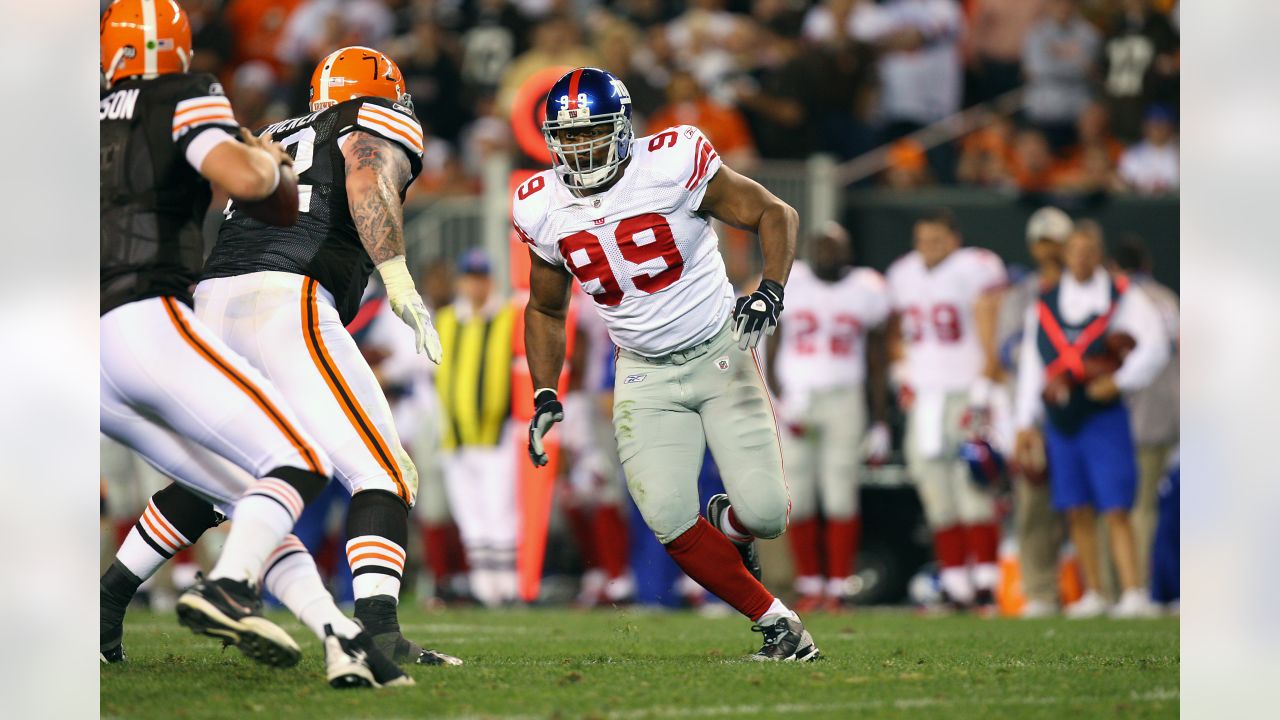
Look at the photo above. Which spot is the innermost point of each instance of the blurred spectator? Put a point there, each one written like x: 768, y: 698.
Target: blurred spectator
x: 252, y: 94
x: 724, y: 126
x: 1093, y: 130
x: 829, y: 21
x: 986, y: 156
x: 211, y: 40
x: 1090, y: 166
x: 474, y: 383
x: 1034, y: 168
x: 703, y: 26
x: 1058, y: 60
x: 1076, y: 385
x: 1140, y: 65
x: 494, y: 34
x: 997, y: 31
x: 434, y: 80
x: 484, y: 137
x: 616, y: 44
x: 643, y: 14
x: 920, y: 72
x: 777, y: 104
x: 908, y: 166
x: 556, y: 42
x: 1038, y: 527
x: 1154, y: 409
x: 257, y: 26
x: 318, y: 27
x: 1151, y: 166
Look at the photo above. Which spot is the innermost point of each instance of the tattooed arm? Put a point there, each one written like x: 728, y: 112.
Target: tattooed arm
x: 377, y: 171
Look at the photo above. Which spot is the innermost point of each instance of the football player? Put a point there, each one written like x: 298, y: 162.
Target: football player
x: 170, y: 388
x: 817, y: 365
x: 943, y: 343
x: 629, y: 218
x: 282, y: 296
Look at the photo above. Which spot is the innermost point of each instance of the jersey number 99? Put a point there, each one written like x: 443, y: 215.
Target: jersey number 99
x: 585, y: 256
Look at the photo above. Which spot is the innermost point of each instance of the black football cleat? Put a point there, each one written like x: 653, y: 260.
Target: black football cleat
x: 378, y: 615
x: 110, y: 636
x: 785, y: 640
x: 231, y: 610
x: 717, y: 506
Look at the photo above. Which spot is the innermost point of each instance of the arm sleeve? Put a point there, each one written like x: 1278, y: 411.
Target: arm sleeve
x: 206, y: 141
x: 1138, y: 316
x: 1028, y: 407
x: 203, y: 110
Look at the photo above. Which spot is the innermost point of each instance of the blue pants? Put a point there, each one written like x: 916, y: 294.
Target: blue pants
x: 1097, y: 467
x: 1165, y: 575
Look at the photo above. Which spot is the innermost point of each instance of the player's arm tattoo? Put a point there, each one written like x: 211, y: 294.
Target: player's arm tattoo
x: 376, y: 171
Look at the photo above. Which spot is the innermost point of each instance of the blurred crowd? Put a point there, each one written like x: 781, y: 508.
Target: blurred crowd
x: 764, y: 79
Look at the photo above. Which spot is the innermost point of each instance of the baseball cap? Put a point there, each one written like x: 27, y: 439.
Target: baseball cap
x: 1049, y: 222
x: 474, y: 262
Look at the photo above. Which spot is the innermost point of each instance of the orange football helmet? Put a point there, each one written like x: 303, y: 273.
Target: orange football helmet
x: 353, y: 72
x: 144, y: 38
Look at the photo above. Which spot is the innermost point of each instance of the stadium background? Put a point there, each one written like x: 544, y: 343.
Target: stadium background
x: 786, y: 93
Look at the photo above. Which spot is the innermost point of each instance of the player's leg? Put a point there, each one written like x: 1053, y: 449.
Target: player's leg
x: 156, y: 358
x: 1037, y: 528
x: 1072, y: 495
x: 798, y: 452
x: 466, y: 506
x: 1111, y: 466
x: 933, y: 472
x: 318, y: 367
x: 497, y: 476
x: 843, y: 414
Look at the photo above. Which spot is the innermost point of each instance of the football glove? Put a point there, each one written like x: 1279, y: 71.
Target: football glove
x: 547, y: 412
x: 408, y: 306
x: 756, y: 315
x: 877, y: 444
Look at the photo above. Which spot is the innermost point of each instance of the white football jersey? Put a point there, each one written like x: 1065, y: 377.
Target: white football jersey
x: 936, y: 306
x: 649, y: 260
x: 824, y: 329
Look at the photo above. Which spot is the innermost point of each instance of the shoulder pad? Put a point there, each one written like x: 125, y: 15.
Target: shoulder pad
x: 530, y: 202
x: 682, y: 154
x: 386, y: 119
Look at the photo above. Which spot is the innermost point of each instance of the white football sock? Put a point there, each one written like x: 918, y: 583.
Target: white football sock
x: 377, y: 566
x: 778, y: 608
x: 263, y: 516
x: 151, y: 541
x: 292, y: 577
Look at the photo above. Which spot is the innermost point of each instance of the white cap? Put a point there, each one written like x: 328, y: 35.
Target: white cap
x: 1049, y: 222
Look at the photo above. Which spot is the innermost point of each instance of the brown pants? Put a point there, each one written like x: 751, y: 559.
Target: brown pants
x: 1039, y: 531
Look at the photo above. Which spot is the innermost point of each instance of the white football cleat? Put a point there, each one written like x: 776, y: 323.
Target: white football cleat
x: 1090, y: 605
x: 1036, y: 609
x: 1135, y: 603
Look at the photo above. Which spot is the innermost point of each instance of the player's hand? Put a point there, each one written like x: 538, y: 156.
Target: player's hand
x: 266, y: 144
x: 1102, y: 388
x: 877, y: 444
x: 756, y: 315
x: 407, y: 304
x: 414, y: 313
x: 547, y: 412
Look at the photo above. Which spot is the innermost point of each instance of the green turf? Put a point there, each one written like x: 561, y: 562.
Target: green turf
x: 636, y: 664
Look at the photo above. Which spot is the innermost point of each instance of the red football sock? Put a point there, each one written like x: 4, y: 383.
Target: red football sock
x: 579, y: 519
x: 843, y: 537
x: 457, y: 554
x: 435, y: 540
x: 949, y: 546
x: 610, y: 535
x: 984, y: 542
x: 709, y: 557
x: 803, y: 535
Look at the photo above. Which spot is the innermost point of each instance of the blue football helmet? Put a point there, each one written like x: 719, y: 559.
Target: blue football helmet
x: 584, y: 98
x: 986, y: 464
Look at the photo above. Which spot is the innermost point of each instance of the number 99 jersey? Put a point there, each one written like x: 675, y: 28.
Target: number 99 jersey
x: 936, y: 307
x: 640, y: 249
x: 323, y: 244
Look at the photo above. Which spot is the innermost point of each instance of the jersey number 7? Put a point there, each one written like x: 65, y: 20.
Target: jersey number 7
x: 586, y: 257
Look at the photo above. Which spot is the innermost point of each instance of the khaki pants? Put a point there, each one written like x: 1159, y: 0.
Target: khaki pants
x: 667, y: 410
x: 947, y: 491
x: 1039, y: 536
x: 823, y: 463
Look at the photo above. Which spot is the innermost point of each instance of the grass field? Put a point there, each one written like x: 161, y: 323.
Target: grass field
x: 636, y: 664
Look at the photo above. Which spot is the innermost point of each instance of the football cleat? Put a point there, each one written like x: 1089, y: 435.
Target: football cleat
x: 378, y: 615
x: 1090, y: 605
x: 231, y: 610
x: 785, y: 640
x: 355, y: 662
x: 110, y: 636
x: 717, y: 506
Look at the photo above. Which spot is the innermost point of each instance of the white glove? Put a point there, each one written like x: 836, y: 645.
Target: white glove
x: 877, y: 444
x: 407, y: 304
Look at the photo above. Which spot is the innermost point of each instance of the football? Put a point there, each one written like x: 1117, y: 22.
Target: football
x: 280, y: 208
